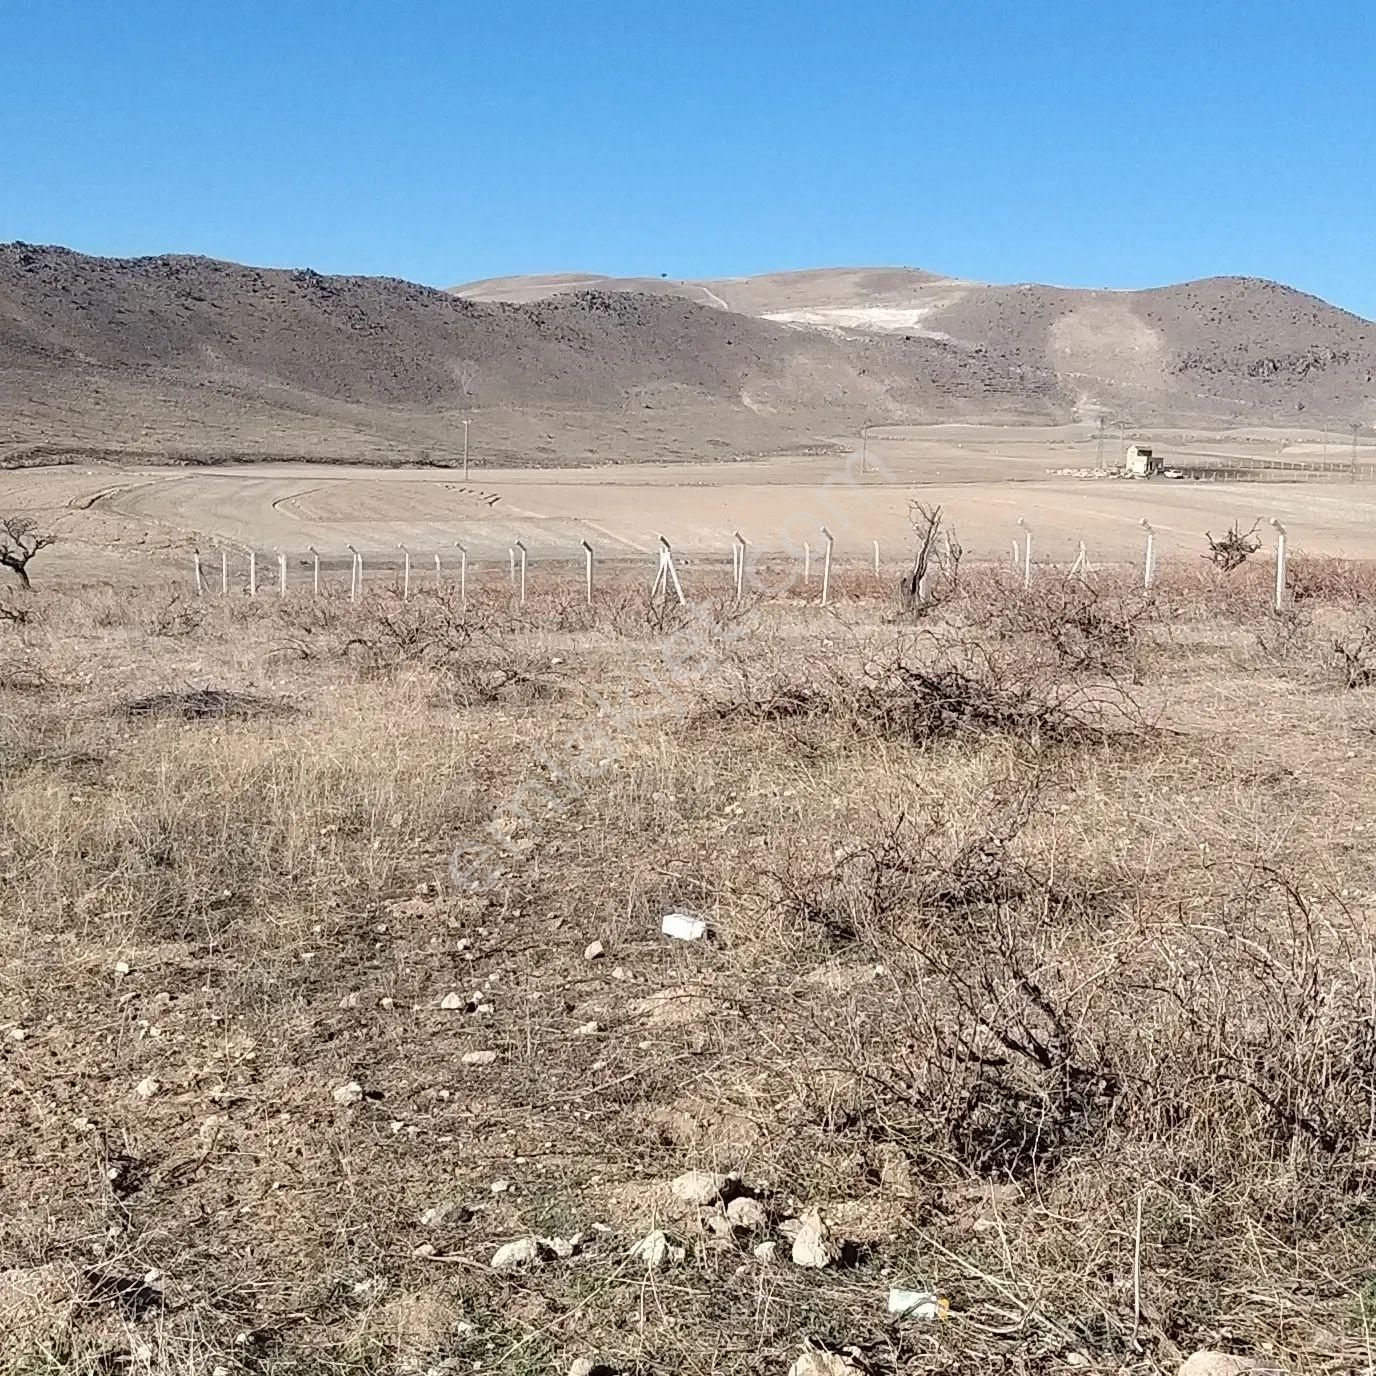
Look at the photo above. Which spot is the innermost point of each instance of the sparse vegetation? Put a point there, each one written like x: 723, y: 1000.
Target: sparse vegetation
x: 20, y: 540
x: 1039, y: 964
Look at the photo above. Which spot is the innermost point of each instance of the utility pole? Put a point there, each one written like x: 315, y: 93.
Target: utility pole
x: 864, y: 444
x: 465, y: 450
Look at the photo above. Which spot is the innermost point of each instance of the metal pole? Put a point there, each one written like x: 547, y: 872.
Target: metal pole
x: 1280, y: 564
x: 520, y: 546
x: 826, y: 566
x: 252, y: 574
x: 876, y: 558
x: 224, y: 571
x: 463, y: 574
x: 587, y: 562
x: 1149, y: 564
x: 741, y: 544
x: 315, y: 571
x: 354, y: 572
x: 405, y: 572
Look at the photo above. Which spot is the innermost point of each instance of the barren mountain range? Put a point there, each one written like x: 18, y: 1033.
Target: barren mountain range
x: 203, y: 359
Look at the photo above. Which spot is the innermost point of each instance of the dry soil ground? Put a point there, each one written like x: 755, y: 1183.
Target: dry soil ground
x: 112, y: 517
x: 1039, y: 973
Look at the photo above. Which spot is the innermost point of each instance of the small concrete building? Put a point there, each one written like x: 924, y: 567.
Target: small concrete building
x: 1142, y: 463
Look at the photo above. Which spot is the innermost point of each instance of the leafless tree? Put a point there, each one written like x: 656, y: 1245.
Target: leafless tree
x: 20, y: 540
x: 927, y: 527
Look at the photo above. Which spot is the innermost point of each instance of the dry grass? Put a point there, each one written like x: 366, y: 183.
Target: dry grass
x: 1041, y: 962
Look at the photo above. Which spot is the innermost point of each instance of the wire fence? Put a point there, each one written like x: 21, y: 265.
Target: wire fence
x: 753, y: 571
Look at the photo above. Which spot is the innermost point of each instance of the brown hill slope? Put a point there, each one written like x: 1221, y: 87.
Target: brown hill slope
x: 179, y: 353
x: 1232, y: 347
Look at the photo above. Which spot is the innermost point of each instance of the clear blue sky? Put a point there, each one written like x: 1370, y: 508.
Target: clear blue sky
x: 1096, y: 144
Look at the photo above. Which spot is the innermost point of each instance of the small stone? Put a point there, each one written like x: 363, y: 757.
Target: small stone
x: 767, y: 1251
x: 524, y: 1251
x: 350, y: 1093
x: 1076, y: 1358
x: 563, y: 1247
x: 453, y: 1000
x: 823, y: 1364
x: 582, y: 1366
x: 655, y: 1250
x: 917, y: 1304
x: 349, y: 1001
x: 588, y: 1029
x: 426, y: 1249
x: 479, y: 1057
x: 748, y: 1214
x: 683, y: 927
x: 147, y: 1088
x: 1226, y: 1364
x: 699, y: 1187
x: 813, y: 1247
x: 594, y: 951
x: 501, y: 1187
x: 121, y: 967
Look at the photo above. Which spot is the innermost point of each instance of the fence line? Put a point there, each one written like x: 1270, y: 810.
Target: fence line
x: 1022, y: 563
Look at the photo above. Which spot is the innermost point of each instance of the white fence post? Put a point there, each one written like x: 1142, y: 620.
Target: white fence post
x: 405, y: 571
x: 587, y: 569
x: 668, y: 573
x: 738, y: 561
x: 200, y: 577
x: 826, y: 565
x: 876, y: 558
x: 463, y: 574
x: 439, y: 575
x: 315, y: 570
x: 355, y: 573
x: 224, y: 571
x: 1280, y: 564
x: 281, y: 574
x: 1026, y: 554
x: 511, y: 564
x: 807, y: 562
x: 520, y: 545
x: 252, y: 574
x: 1149, y: 562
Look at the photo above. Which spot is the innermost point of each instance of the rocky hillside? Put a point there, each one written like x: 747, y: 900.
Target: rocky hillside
x: 194, y: 354
x: 1232, y: 347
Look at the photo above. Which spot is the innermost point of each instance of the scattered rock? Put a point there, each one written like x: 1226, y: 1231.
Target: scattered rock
x: 453, y: 1000
x: 147, y: 1088
x: 812, y: 1246
x: 350, y: 1093
x: 588, y: 1029
x: 1226, y: 1364
x: 443, y: 1215
x: 823, y: 1364
x: 767, y: 1251
x: 748, y: 1214
x: 562, y: 1247
x: 582, y: 1366
x: 121, y: 967
x: 524, y: 1251
x: 917, y: 1304
x: 655, y: 1250
x: 479, y: 1057
x: 699, y: 1187
x: 594, y: 951
x: 502, y: 1186
x: 682, y: 927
